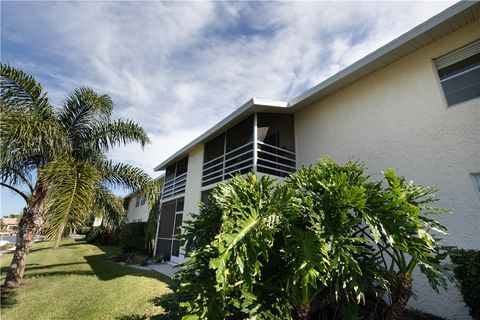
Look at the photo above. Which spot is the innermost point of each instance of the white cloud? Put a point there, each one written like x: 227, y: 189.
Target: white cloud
x: 178, y: 68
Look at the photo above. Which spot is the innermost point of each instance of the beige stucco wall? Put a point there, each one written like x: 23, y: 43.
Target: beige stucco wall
x: 397, y: 117
x: 193, y: 185
x: 140, y: 212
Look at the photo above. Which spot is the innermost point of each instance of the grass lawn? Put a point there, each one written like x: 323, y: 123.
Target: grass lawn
x: 76, y: 281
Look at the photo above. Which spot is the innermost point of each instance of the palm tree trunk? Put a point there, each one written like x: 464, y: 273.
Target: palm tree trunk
x: 401, y: 297
x: 302, y: 312
x: 29, y: 223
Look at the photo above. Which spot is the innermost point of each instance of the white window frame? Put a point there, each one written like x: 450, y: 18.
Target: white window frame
x: 453, y: 57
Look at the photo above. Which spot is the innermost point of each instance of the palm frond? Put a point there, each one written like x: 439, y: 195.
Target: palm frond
x: 82, y: 109
x: 71, y: 193
x: 151, y: 228
x: 109, y: 134
x: 19, y: 90
x: 125, y: 176
x: 25, y: 135
x: 110, y: 208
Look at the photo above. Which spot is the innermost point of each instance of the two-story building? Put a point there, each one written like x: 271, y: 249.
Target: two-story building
x: 412, y: 105
x: 137, y: 205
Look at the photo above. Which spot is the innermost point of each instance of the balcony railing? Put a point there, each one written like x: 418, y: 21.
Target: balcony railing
x: 270, y: 159
x: 174, y: 186
x: 274, y: 160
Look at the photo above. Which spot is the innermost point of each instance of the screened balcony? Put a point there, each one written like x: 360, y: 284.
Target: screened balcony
x: 175, y: 179
x: 264, y: 142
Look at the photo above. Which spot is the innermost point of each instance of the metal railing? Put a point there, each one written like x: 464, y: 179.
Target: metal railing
x: 174, y: 186
x: 222, y: 167
x: 270, y: 159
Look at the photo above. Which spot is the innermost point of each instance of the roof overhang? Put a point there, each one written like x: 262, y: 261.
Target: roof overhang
x: 447, y: 21
x: 250, y: 107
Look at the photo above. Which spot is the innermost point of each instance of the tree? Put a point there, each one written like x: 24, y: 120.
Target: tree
x: 59, y: 156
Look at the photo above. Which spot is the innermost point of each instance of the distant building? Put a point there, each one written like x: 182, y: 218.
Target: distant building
x: 137, y: 205
x: 10, y: 225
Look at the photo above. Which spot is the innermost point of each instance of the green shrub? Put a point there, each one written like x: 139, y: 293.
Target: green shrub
x: 84, y: 230
x: 100, y: 235
x: 467, y: 272
x: 317, y: 242
x: 132, y: 237
x: 139, y: 259
x: 94, y: 234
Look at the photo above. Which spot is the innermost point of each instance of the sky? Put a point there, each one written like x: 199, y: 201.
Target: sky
x: 177, y: 68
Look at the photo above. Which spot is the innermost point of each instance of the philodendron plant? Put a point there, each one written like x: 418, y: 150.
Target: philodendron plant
x: 327, y: 236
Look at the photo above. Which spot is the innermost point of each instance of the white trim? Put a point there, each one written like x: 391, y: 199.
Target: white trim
x: 255, y: 141
x: 458, y: 55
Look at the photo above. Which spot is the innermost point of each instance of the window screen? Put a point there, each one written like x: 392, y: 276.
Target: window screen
x: 459, y: 73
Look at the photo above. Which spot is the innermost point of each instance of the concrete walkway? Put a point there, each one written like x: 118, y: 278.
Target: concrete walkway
x: 164, y: 268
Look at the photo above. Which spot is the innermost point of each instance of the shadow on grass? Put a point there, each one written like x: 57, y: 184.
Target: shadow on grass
x: 106, y: 270
x: 8, y: 298
x: 76, y: 243
x: 169, y: 302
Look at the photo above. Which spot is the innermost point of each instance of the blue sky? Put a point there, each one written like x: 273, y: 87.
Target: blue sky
x: 178, y: 68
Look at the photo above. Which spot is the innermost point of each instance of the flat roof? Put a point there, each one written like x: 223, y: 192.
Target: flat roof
x: 447, y: 21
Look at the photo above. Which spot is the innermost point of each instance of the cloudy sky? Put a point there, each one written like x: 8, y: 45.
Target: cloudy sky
x: 178, y: 68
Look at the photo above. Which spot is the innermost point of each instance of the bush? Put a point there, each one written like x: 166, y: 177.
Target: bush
x: 84, y: 230
x: 139, y: 259
x: 315, y: 243
x: 467, y: 272
x: 132, y: 237
x: 93, y: 235
x: 101, y: 235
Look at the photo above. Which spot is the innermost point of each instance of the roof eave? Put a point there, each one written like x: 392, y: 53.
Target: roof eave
x: 350, y: 73
x: 249, y: 107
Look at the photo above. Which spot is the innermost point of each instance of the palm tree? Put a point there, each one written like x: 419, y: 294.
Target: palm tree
x: 59, y: 156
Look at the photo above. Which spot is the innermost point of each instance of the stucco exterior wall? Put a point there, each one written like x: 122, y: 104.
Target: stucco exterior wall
x: 135, y: 213
x: 397, y: 117
x: 192, y: 187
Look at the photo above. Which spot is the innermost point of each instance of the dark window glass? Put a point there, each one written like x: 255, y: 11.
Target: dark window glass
x: 205, y: 194
x: 459, y: 67
x: 214, y: 148
x: 178, y: 223
x: 170, y: 172
x: 241, y: 134
x: 182, y: 166
x: 461, y: 81
x: 277, y: 130
x: 180, y: 203
x: 176, y: 248
x: 164, y: 248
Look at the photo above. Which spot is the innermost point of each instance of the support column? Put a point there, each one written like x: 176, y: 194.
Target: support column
x: 255, y: 144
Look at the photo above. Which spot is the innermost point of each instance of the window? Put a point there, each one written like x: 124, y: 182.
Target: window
x: 140, y: 201
x: 205, y: 195
x: 476, y: 179
x: 459, y: 73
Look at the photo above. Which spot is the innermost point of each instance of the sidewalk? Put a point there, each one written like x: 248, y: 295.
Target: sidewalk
x: 164, y: 268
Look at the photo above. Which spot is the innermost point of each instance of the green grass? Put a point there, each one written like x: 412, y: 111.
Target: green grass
x: 76, y: 281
